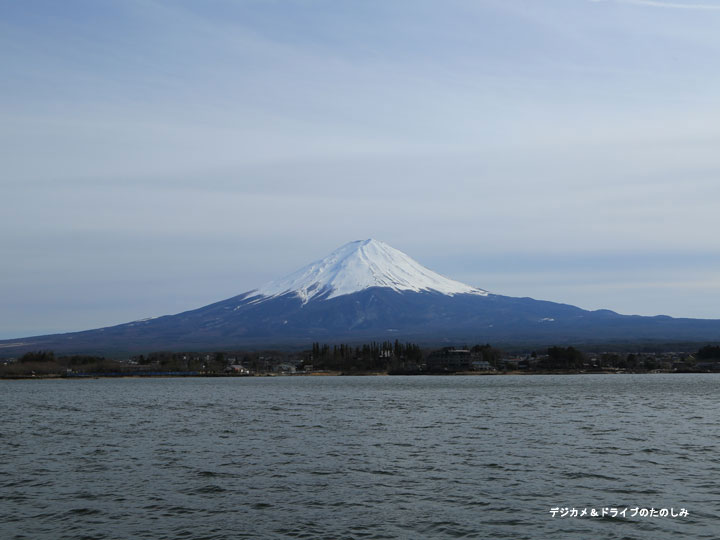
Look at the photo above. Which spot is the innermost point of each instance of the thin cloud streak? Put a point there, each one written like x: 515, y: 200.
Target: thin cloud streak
x: 667, y: 5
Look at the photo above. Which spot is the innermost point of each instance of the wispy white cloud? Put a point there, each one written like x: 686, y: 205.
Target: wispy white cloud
x: 667, y: 5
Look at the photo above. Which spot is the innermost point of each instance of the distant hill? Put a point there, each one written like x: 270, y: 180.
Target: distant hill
x: 367, y: 290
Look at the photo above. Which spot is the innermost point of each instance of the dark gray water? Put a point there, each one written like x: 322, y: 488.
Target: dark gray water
x: 359, y: 457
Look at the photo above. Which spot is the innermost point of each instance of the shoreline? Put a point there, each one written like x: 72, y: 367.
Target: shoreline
x: 180, y: 375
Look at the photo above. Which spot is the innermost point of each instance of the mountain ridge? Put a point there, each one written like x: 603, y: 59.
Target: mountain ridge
x: 367, y: 290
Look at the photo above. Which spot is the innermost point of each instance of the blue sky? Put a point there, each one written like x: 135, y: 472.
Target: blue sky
x: 157, y: 156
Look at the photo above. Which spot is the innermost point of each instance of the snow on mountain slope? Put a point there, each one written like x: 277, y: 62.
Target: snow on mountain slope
x: 359, y: 265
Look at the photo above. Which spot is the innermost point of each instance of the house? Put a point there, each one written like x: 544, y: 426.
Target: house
x: 449, y: 360
x: 285, y: 368
x: 237, y: 369
x: 481, y: 365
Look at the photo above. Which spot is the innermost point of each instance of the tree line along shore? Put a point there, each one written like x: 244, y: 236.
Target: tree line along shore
x: 392, y: 358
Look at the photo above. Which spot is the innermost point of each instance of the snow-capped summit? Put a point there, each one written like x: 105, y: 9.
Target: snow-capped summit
x: 359, y: 265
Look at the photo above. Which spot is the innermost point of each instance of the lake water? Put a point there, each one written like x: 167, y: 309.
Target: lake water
x: 360, y: 457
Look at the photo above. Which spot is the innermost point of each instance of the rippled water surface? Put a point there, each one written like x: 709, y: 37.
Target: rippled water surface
x: 359, y: 457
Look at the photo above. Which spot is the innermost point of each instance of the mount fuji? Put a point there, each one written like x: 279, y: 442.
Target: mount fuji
x: 367, y: 290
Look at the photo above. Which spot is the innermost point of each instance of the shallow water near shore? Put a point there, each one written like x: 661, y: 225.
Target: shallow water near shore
x: 360, y: 457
